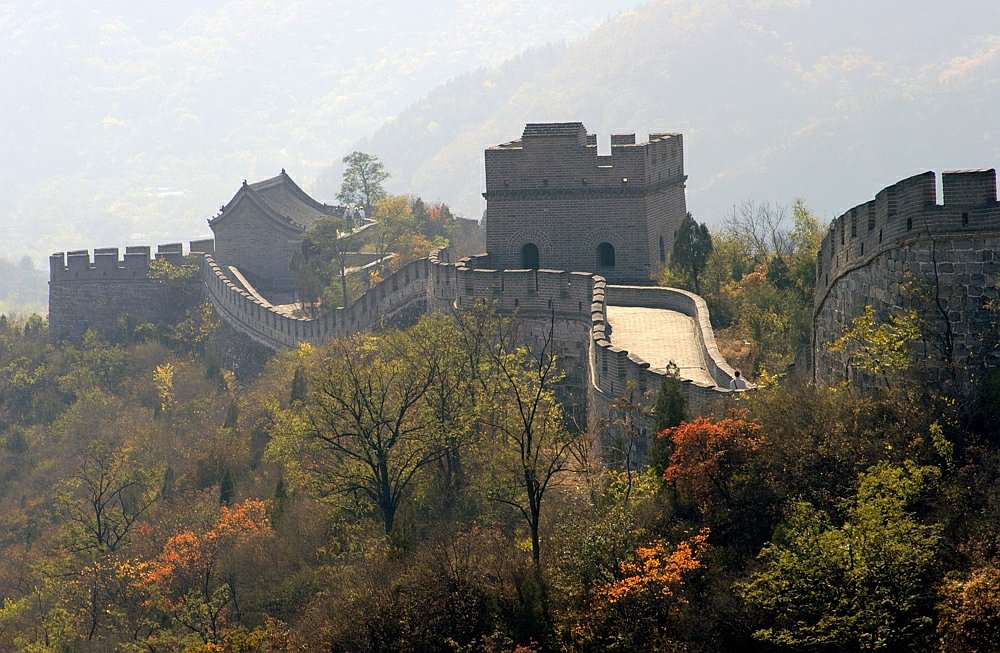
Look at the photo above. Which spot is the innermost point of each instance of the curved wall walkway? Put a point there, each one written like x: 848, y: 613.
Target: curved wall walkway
x: 571, y: 307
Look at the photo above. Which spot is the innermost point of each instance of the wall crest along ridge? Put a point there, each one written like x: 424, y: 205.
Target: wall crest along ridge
x: 875, y: 251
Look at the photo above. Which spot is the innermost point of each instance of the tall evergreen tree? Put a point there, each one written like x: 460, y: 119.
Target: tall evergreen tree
x: 227, y: 488
x: 692, y: 247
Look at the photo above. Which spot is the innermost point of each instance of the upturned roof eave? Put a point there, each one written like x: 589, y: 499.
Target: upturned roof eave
x: 302, y: 195
x: 246, y: 192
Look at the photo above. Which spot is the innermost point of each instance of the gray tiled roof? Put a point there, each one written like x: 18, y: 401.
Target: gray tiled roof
x: 285, y: 198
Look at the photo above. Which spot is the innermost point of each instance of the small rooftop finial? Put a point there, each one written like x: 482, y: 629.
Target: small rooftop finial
x: 244, y: 182
x: 282, y: 171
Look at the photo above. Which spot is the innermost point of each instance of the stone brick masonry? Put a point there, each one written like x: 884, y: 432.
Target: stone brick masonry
x: 554, y: 202
x: 904, y: 250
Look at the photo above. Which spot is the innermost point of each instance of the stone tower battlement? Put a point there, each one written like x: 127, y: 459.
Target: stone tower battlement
x: 553, y: 201
x: 96, y: 290
x: 109, y: 263
x: 904, y: 235
x: 564, y: 158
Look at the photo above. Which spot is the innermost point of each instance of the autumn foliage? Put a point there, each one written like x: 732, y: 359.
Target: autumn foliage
x: 188, y: 552
x: 635, y: 611
x: 189, y: 583
x: 708, y: 457
x: 657, y: 571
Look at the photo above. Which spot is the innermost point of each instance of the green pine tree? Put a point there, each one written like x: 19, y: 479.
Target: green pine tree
x: 227, y: 489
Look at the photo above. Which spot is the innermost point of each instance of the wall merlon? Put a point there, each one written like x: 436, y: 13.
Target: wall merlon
x: 57, y: 263
x: 885, y: 203
x: 969, y: 188
x: 137, y: 263
x: 905, y: 233
x: 915, y: 193
x: 78, y: 262
x: 203, y: 246
x: 106, y: 260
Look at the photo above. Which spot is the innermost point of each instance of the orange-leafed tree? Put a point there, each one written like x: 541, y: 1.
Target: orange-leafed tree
x: 634, y: 612
x: 710, y: 459
x: 193, y: 581
x: 411, y: 247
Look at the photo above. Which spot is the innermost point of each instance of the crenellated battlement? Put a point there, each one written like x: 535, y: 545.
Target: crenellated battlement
x: 108, y: 291
x: 886, y: 252
x: 563, y: 158
x: 109, y: 263
x: 905, y: 212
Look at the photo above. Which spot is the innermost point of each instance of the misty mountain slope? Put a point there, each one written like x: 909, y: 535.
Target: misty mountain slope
x: 125, y: 123
x: 775, y: 100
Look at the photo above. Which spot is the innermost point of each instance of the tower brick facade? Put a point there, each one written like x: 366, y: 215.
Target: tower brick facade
x: 260, y: 229
x: 553, y: 202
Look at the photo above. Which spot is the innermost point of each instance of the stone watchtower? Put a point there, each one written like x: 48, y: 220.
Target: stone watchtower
x: 553, y: 202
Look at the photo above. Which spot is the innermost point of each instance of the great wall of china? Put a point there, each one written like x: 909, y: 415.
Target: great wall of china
x: 900, y: 250
x: 572, y: 307
x: 905, y: 250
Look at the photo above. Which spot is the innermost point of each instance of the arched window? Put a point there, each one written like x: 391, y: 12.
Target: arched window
x: 663, y: 251
x: 529, y: 256
x: 605, y: 255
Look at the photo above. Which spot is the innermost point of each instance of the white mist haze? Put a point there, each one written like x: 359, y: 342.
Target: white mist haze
x: 132, y: 122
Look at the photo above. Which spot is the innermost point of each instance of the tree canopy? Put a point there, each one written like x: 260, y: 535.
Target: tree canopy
x: 692, y: 247
x: 362, y: 182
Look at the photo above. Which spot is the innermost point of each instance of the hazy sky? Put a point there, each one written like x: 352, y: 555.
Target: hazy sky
x: 91, y: 84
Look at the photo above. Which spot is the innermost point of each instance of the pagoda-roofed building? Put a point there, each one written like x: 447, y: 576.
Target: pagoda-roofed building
x: 260, y: 229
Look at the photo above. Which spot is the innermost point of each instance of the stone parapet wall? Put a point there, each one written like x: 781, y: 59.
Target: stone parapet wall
x: 569, y: 308
x: 616, y: 372
x: 574, y: 306
x: 681, y: 301
x: 614, y: 369
x: 905, y: 212
x: 263, y: 324
x: 110, y: 292
x: 883, y: 251
x: 552, y: 305
x: 110, y: 263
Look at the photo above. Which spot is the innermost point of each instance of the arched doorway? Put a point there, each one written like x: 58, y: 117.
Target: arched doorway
x: 529, y: 256
x: 605, y: 255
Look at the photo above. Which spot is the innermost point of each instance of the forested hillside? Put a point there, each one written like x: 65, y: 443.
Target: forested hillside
x: 419, y: 490
x: 833, y: 100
